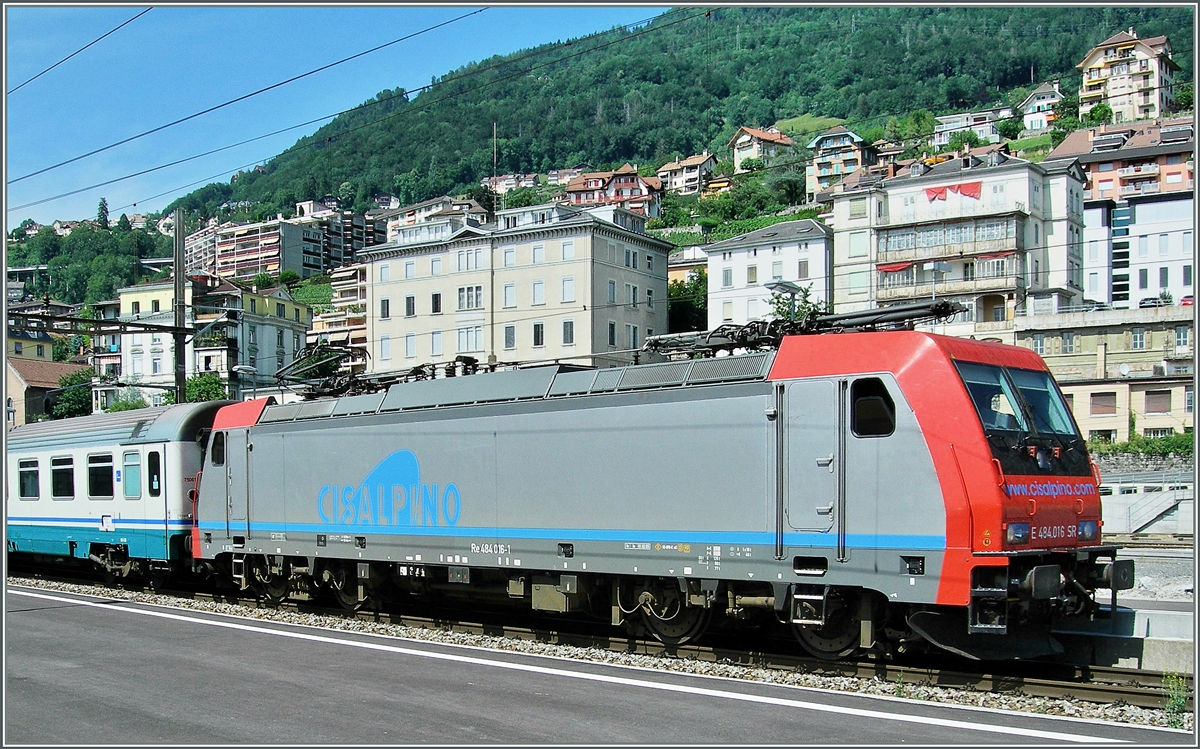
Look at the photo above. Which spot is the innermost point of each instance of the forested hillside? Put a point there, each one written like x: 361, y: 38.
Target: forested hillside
x: 683, y: 83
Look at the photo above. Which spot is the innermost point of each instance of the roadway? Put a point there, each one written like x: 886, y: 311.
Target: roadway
x: 85, y: 669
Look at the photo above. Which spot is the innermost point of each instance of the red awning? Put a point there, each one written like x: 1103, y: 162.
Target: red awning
x: 935, y: 193
x: 997, y: 254
x: 970, y: 189
x: 893, y: 267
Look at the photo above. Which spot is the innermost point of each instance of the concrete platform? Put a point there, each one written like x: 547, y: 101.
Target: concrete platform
x: 1146, y: 638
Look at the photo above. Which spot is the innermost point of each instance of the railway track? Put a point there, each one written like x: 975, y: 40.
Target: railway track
x: 1151, y: 540
x: 1096, y: 684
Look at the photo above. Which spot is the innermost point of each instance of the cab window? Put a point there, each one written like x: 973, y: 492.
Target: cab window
x: 218, y: 449
x: 873, y: 412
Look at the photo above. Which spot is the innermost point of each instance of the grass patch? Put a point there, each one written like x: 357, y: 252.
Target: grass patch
x: 733, y: 229
x: 1037, y: 142
x: 807, y: 124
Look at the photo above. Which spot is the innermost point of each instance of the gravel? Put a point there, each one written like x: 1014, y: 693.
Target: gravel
x: 1008, y: 702
x: 1161, y: 575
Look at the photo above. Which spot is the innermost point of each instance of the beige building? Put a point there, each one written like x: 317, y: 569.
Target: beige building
x: 26, y: 383
x: 1135, y: 77
x: 755, y: 143
x: 995, y: 233
x: 687, y: 176
x: 22, y: 344
x: 1114, y: 364
x: 544, y: 283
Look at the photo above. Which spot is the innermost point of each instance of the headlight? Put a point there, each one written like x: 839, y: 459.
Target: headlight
x: 1089, y: 530
x: 1017, y: 534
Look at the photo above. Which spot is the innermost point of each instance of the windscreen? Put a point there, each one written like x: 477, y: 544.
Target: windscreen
x: 1026, y: 420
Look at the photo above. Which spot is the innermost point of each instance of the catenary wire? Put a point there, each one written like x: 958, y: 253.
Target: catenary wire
x: 246, y: 96
x: 81, y: 49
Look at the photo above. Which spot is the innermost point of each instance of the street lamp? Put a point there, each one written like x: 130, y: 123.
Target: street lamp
x: 246, y: 369
x: 785, y: 287
x: 936, y: 267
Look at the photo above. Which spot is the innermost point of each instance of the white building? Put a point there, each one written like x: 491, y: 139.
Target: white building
x: 739, y: 268
x: 1038, y: 107
x: 546, y: 282
x: 687, y: 176
x: 995, y: 233
x: 982, y: 123
x: 1134, y: 77
x: 1136, y: 249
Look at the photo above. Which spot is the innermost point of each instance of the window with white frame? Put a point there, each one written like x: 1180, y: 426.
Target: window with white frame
x: 385, y: 347
x: 631, y: 336
x: 470, y: 339
x: 510, y: 295
x: 510, y: 257
x: 1182, y: 335
x: 435, y: 343
x: 539, y: 334
x: 650, y: 298
x: 612, y: 334
x: 858, y: 244
x: 539, y: 292
x: 1137, y: 338
x: 649, y: 262
x: 410, y: 306
x: 470, y: 297
x: 539, y: 253
x: 1039, y: 344
x: 777, y: 270
x: 156, y: 366
x: 727, y: 278
x: 727, y: 310
x: 631, y: 294
x: 568, y: 289
x: 751, y: 275
x: 1164, y: 245
x: 612, y: 292
x: 410, y: 268
x: 859, y: 282
x: 410, y: 345
x: 568, y: 249
x: 385, y: 274
x: 510, y: 337
x: 435, y: 303
x: 435, y: 266
x: 1069, y: 342
x: 568, y: 332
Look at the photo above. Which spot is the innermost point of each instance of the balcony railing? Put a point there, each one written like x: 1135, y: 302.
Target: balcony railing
x: 1141, y: 170
x: 941, y: 213
x: 1140, y: 188
x: 922, y: 289
x: 951, y: 250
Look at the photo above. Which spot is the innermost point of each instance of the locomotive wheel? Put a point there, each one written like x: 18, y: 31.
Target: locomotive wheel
x: 344, y: 587
x: 838, y: 637
x: 273, y: 587
x: 668, y: 619
x: 158, y: 578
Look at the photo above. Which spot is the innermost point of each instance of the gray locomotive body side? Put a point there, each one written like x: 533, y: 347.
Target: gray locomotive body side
x: 758, y: 482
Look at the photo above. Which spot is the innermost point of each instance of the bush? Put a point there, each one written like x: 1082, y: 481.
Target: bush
x: 1177, y: 444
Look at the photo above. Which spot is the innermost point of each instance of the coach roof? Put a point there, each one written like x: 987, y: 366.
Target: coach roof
x: 179, y: 423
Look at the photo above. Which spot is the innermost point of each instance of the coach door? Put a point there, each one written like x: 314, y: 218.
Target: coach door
x: 813, y: 465
x: 237, y: 484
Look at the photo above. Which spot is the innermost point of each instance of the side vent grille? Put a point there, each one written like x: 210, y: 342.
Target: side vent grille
x: 652, y: 375
x: 607, y: 379
x: 313, y: 409
x: 286, y: 412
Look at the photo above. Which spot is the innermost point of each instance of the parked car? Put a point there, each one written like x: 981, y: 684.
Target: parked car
x: 1186, y: 301
x: 1154, y: 301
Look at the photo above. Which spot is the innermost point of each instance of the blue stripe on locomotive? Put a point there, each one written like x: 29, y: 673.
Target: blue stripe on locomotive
x: 819, y: 540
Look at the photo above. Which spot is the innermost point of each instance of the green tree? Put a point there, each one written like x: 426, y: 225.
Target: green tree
x: 289, y: 278
x: 200, y: 388
x: 687, y: 303
x: 128, y: 399
x: 1010, y: 128
x: 963, y: 138
x: 1101, y: 114
x: 1063, y: 127
x: 1067, y: 106
x: 102, y: 214
x: 123, y: 224
x: 75, y: 396
x: 1183, y: 98
x: 783, y: 307
x: 263, y: 280
x: 752, y: 165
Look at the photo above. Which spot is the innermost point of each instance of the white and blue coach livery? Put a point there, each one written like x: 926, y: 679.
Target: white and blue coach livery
x: 112, y: 488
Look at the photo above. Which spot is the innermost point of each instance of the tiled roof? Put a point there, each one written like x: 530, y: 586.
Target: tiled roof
x: 43, y: 374
x: 779, y: 138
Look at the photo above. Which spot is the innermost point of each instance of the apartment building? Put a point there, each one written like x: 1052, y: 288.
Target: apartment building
x: 29, y: 344
x: 509, y: 182
x: 545, y: 282
x: 106, y: 349
x: 997, y: 234
x: 687, y: 176
x: 1139, y: 249
x: 345, y: 322
x: 837, y: 152
x: 739, y: 269
x: 1135, y: 77
x: 564, y: 176
x: 1112, y: 364
x: 270, y: 329
x: 624, y: 188
x: 1038, y: 108
x: 1123, y: 161
x: 755, y: 143
x: 983, y: 123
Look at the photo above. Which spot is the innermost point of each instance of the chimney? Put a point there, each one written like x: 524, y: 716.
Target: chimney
x: 891, y: 169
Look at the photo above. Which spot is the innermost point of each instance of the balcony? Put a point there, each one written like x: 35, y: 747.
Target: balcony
x: 1087, y: 194
x: 1143, y: 170
x: 1140, y: 188
x: 923, y: 289
x: 952, y: 250
x: 1190, y: 164
x: 1091, y: 94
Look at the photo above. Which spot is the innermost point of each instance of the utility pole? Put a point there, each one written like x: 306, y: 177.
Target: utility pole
x: 180, y: 310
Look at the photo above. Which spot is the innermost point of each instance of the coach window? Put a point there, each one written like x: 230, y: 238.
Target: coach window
x: 62, y: 478
x: 154, y: 473
x: 28, y: 470
x: 100, y: 476
x: 218, y: 449
x: 131, y: 478
x: 874, y: 412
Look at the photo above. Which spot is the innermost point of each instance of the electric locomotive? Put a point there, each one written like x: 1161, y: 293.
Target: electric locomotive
x: 870, y: 490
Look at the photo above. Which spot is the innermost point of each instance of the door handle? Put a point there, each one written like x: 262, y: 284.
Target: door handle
x: 826, y: 510
x: 823, y: 462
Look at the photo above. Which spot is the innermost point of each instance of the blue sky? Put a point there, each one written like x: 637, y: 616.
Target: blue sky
x: 175, y: 61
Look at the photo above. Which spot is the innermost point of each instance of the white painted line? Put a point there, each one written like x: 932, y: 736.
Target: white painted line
x: 623, y: 681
